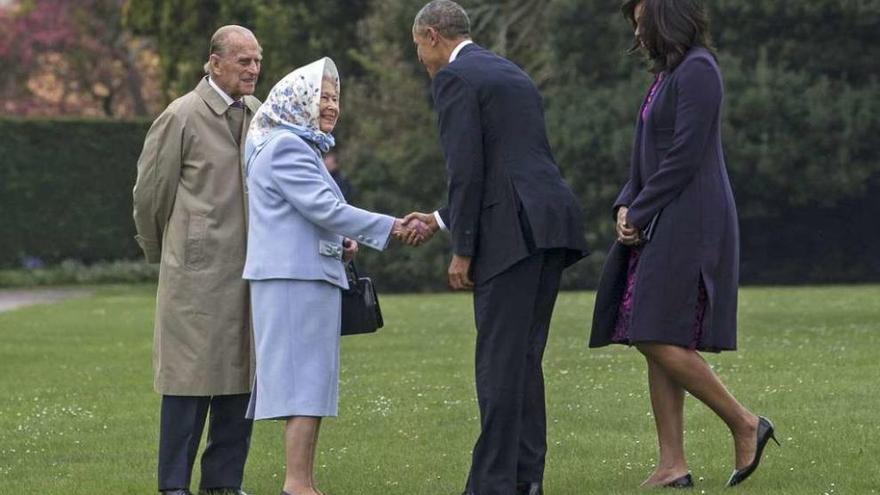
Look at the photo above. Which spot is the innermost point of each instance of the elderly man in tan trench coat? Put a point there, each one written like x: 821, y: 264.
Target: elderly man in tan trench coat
x: 190, y: 214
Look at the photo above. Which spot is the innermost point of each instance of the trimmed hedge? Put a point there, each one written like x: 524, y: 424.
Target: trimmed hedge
x: 65, y: 189
x: 72, y: 272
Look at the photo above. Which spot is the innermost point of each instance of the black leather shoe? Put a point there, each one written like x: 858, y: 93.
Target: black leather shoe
x: 180, y: 491
x: 685, y: 481
x: 222, y: 491
x: 765, y: 433
x: 533, y: 488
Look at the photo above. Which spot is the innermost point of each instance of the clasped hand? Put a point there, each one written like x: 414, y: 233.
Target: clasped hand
x: 415, y: 229
x: 349, y: 250
x: 411, y: 231
x: 459, y: 272
x: 627, y: 234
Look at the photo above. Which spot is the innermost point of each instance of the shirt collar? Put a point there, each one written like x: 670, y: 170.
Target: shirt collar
x: 458, y: 48
x: 228, y: 99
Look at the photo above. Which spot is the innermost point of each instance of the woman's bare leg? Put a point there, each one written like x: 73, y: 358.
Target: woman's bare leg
x: 667, y: 401
x: 313, y: 456
x: 687, y: 368
x: 300, y: 442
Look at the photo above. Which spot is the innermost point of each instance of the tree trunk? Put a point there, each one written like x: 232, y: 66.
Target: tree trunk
x: 133, y: 81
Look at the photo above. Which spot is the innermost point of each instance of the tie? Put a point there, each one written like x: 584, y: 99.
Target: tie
x: 235, y: 119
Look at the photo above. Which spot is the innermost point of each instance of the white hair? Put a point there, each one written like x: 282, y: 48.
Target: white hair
x: 223, y: 38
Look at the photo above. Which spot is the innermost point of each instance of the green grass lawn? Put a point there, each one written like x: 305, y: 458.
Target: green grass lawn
x: 78, y: 415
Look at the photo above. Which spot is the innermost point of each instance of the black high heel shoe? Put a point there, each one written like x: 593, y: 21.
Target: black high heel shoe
x: 765, y: 433
x: 686, y: 481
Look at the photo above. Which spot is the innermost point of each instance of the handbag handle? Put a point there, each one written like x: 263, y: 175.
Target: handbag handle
x: 351, y: 273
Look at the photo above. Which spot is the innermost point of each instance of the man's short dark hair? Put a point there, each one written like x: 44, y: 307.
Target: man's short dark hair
x: 446, y: 16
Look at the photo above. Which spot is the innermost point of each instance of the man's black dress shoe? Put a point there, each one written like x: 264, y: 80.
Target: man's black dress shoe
x: 765, y: 433
x: 179, y: 491
x: 222, y: 491
x: 685, y: 481
x: 533, y: 488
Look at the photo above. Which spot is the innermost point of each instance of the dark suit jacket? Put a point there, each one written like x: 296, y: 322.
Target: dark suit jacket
x: 507, y: 198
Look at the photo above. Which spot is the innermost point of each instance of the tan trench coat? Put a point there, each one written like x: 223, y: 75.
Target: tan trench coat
x: 190, y: 214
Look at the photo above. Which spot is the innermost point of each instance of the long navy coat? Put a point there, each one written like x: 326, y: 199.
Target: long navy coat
x: 678, y: 171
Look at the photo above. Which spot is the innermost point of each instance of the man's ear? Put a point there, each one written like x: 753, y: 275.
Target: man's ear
x: 432, y: 35
x: 214, y: 61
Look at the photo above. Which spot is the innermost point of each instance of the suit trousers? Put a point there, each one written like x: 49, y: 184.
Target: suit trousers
x: 180, y: 431
x: 513, y: 311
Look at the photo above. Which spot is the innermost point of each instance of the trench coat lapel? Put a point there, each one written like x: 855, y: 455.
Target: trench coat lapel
x: 219, y: 107
x: 211, y: 98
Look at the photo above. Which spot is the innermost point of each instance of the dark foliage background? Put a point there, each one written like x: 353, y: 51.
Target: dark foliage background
x: 802, y: 116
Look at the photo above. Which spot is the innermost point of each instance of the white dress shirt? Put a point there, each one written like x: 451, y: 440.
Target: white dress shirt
x: 452, y: 57
x: 228, y: 99
x: 454, y: 54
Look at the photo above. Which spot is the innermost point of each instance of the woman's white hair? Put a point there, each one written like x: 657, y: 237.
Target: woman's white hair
x: 331, y: 73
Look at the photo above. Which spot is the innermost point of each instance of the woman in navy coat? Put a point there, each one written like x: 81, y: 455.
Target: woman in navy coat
x: 669, y: 285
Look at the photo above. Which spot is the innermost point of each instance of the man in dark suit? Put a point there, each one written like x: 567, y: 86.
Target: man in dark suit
x: 515, y: 225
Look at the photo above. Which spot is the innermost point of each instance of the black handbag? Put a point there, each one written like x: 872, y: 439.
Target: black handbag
x: 360, y: 304
x: 648, y: 232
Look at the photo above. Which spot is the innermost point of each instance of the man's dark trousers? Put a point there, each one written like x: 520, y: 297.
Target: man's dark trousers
x: 513, y: 311
x: 229, y: 434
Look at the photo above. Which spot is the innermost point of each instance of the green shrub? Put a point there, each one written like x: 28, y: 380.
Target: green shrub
x: 65, y: 189
x: 71, y: 272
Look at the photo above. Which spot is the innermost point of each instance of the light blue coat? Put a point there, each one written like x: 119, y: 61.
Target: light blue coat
x: 298, y: 216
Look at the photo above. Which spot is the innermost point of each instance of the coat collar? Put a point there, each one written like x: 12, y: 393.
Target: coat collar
x: 458, y: 48
x: 252, y: 103
x: 212, y: 98
x: 215, y: 101
x: 470, y: 47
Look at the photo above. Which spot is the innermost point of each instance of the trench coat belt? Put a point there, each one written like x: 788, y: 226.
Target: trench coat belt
x: 331, y: 249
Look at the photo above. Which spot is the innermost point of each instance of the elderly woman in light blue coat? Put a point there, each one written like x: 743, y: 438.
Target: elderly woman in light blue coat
x: 301, y: 231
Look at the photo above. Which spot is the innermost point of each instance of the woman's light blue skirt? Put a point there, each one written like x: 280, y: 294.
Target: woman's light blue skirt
x: 296, y: 336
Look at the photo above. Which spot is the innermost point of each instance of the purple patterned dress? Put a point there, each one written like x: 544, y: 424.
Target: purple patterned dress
x: 624, y: 311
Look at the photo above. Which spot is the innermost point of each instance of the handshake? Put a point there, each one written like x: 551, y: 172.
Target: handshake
x: 415, y: 229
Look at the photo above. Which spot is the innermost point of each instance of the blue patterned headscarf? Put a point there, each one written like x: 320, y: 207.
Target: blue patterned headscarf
x: 294, y: 105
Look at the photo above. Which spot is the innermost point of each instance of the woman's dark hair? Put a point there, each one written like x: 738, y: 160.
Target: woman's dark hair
x: 668, y: 29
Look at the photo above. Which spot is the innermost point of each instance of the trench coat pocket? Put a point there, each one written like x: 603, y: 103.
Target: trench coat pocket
x: 194, y: 250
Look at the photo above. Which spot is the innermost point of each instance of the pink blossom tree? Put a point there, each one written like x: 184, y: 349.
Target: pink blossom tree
x: 67, y: 57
